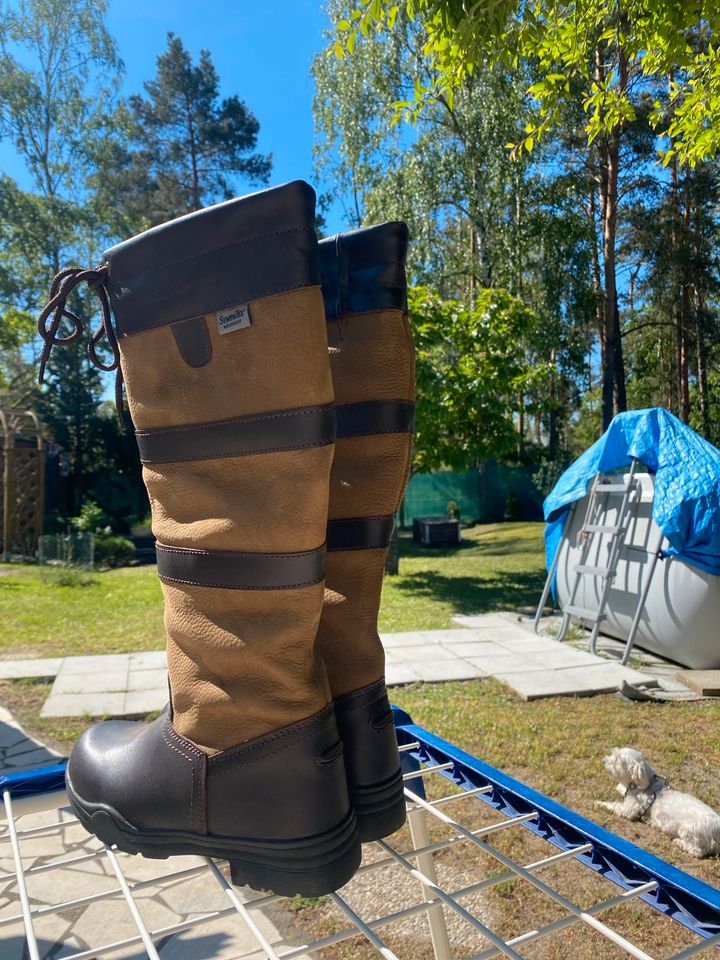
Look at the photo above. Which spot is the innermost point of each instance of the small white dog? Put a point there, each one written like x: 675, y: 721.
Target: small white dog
x: 647, y: 796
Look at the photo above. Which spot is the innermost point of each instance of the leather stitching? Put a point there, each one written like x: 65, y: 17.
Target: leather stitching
x: 197, y: 815
x: 204, y: 253
x: 225, y: 586
x: 246, y: 762
x: 249, y: 418
x: 275, y: 291
x: 188, y: 551
x: 242, y: 453
x: 194, y: 819
x: 239, y: 753
x: 362, y: 697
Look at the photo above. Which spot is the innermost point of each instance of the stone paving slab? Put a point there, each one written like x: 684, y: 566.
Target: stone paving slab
x: 500, y: 645
x: 99, y: 704
x: 573, y: 681
x: 89, y: 926
x: 110, y: 681
x: 42, y: 667
x: 706, y: 682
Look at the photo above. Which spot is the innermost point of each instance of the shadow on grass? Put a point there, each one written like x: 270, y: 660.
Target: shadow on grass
x: 505, y: 591
x: 487, y: 544
x: 505, y: 547
x: 408, y: 548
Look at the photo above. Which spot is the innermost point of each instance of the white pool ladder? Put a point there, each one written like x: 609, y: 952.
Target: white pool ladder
x: 594, y: 527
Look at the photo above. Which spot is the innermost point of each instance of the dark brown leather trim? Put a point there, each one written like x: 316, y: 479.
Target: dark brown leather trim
x: 225, y: 255
x: 360, y: 533
x: 374, y: 417
x: 278, y: 430
x: 229, y: 570
x: 193, y: 341
x: 364, y: 270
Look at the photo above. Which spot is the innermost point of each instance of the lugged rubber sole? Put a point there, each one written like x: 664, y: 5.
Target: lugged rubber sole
x: 379, y: 808
x: 308, y: 866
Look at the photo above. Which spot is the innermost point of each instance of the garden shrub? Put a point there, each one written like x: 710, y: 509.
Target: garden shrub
x: 113, y: 551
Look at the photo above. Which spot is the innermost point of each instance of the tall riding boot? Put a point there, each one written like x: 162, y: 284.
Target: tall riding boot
x: 223, y: 348
x: 373, y: 372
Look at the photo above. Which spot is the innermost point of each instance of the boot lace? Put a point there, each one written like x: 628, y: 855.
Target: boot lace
x: 56, y: 310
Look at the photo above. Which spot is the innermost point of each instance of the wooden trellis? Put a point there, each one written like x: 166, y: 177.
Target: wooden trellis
x: 22, y: 482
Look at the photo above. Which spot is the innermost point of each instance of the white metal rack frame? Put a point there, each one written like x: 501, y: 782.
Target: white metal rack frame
x: 456, y: 924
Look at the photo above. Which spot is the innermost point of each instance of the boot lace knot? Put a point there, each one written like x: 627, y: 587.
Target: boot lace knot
x: 56, y: 310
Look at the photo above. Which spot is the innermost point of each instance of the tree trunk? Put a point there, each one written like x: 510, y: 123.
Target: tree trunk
x: 521, y: 424
x: 597, y: 283
x: 613, y: 371
x: 683, y: 367
x: 613, y: 368
x: 702, y: 365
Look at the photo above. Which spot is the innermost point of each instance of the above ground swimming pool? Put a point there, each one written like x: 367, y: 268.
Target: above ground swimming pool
x: 677, y: 516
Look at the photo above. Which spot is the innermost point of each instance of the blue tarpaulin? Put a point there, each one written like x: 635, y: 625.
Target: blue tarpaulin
x: 687, y: 483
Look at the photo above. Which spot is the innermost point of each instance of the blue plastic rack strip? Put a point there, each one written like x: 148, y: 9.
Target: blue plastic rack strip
x: 33, y: 783
x: 676, y: 894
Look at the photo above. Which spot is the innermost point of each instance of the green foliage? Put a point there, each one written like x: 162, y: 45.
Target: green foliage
x: 111, y: 552
x: 51, y: 52
x: 476, y: 218
x: 67, y: 576
x: 646, y: 39
x: 548, y: 474
x: 469, y: 365
x: 185, y: 146
x: 91, y: 519
x: 58, y: 68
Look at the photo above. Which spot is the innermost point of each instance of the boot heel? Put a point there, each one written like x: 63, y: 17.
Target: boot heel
x: 380, y: 808
x: 315, y: 867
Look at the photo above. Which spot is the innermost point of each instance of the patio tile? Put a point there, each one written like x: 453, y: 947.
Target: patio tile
x: 528, y: 643
x: 422, y: 654
x: 149, y: 660
x: 564, y: 657
x: 606, y: 676
x: 84, y: 704
x: 535, y: 684
x: 147, y: 680
x: 505, y: 663
x: 98, y: 664
x: 109, y: 681
x: 138, y: 702
x: 42, y: 667
x: 400, y: 673
x: 453, y: 670
x: 476, y: 649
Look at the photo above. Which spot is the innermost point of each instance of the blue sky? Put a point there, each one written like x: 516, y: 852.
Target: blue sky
x: 262, y: 52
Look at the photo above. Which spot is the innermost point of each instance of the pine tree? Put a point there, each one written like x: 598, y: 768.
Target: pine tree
x: 187, y: 147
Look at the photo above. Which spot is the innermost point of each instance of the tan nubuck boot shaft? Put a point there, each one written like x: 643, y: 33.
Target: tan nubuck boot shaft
x: 220, y: 329
x: 373, y: 372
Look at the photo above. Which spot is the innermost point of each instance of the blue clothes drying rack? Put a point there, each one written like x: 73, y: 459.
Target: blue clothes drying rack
x: 632, y: 876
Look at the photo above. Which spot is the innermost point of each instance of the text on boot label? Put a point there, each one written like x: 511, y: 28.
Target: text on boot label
x: 234, y: 318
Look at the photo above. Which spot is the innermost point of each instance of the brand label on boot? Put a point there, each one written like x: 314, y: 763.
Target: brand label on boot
x: 234, y: 318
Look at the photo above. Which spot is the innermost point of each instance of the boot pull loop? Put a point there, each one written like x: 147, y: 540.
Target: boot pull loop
x: 56, y: 311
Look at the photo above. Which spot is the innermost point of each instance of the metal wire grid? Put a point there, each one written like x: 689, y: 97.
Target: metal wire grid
x: 429, y: 762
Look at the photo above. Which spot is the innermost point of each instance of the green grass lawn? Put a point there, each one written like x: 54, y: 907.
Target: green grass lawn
x: 498, y: 566
x: 554, y: 745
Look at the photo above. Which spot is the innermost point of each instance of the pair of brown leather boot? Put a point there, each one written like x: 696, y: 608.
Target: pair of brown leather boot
x: 274, y: 419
